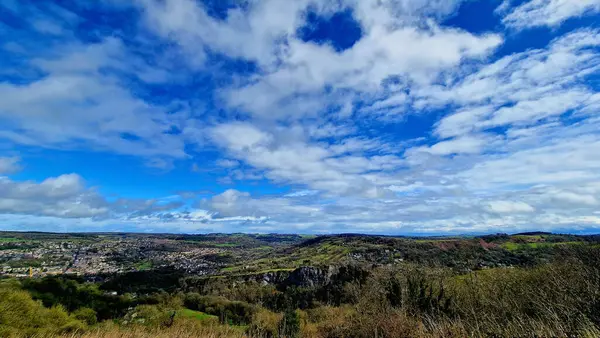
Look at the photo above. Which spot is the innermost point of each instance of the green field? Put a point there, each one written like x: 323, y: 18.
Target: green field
x: 10, y: 239
x: 512, y: 246
x: 145, y: 265
x: 225, y: 245
x: 196, y: 314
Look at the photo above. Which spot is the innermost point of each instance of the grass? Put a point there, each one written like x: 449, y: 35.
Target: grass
x: 529, y: 237
x: 229, y: 269
x: 225, y: 245
x: 144, y: 265
x: 208, y: 244
x: 235, y: 272
x: 182, y: 328
x: 512, y: 246
x: 273, y: 270
x: 437, y: 240
x: 10, y: 240
x: 284, y: 260
x: 196, y: 314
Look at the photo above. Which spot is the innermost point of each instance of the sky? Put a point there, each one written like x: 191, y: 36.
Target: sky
x: 398, y: 117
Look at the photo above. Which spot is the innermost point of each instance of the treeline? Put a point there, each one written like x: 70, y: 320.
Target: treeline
x: 73, y: 294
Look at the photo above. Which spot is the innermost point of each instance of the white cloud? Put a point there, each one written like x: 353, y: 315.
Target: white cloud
x: 294, y: 73
x: 551, y: 13
x: 573, y: 198
x: 446, y: 194
x: 226, y: 163
x: 232, y: 205
x: 294, y: 88
x: 531, y: 111
x: 229, y: 202
x: 510, y: 207
x: 468, y: 144
x: 462, y: 122
x: 78, y: 103
x: 64, y: 196
x: 286, y: 156
x: 9, y: 165
x: 521, y: 88
x: 302, y: 193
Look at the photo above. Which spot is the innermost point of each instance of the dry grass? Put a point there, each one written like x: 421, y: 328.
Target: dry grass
x: 182, y: 328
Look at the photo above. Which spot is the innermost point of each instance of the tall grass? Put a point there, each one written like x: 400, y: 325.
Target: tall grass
x: 185, y: 328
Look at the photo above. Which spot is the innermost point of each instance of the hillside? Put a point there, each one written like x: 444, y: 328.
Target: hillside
x: 133, y: 285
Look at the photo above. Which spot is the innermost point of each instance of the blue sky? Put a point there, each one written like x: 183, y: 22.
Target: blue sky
x: 310, y: 116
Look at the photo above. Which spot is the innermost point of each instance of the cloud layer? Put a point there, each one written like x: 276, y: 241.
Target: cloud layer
x: 394, y: 122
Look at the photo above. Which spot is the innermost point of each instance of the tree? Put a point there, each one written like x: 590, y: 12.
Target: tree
x: 289, y: 326
x: 86, y: 315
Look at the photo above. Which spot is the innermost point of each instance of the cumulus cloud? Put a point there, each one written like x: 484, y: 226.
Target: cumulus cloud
x: 295, y: 72
x: 64, y: 196
x: 68, y: 196
x: 290, y: 158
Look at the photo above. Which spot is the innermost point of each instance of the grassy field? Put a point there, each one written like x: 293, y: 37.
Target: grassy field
x: 196, y: 314
x: 145, y: 265
x: 10, y: 240
x: 226, y: 245
x: 512, y: 246
x: 287, y: 259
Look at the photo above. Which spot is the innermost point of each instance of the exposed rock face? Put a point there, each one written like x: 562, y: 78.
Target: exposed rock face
x: 271, y: 277
x: 305, y: 276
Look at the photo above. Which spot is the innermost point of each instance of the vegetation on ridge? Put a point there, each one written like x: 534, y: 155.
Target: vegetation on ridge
x: 526, y: 285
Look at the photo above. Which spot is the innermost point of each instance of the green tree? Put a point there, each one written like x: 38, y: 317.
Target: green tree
x: 22, y: 316
x: 86, y: 315
x: 289, y: 326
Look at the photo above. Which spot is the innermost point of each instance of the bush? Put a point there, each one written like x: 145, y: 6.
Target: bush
x: 289, y: 326
x: 150, y: 315
x: 86, y: 315
x: 20, y: 316
x: 72, y: 294
x: 265, y: 324
x: 234, y: 312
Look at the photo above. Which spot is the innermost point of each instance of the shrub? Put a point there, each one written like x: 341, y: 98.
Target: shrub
x: 265, y: 324
x: 20, y: 316
x: 289, y: 326
x: 234, y: 312
x: 86, y: 315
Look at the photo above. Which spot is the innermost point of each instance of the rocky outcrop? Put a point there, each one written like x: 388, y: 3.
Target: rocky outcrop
x: 305, y: 276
